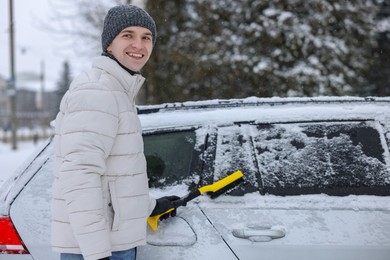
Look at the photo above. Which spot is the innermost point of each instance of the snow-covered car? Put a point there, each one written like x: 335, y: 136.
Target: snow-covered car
x: 316, y: 182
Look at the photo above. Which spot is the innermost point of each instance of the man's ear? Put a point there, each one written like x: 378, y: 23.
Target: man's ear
x: 109, y: 48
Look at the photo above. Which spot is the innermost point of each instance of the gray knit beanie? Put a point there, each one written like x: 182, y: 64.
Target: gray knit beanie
x: 123, y: 16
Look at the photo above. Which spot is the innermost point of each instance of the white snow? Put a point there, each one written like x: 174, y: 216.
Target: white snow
x: 11, y: 160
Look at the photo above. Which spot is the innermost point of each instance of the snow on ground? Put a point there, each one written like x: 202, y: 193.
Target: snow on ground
x: 11, y: 160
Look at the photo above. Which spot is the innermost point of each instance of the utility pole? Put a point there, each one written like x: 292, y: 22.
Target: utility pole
x: 11, y: 86
x: 42, y: 79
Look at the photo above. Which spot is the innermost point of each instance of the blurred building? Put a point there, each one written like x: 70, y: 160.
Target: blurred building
x: 4, y: 105
x: 33, y: 108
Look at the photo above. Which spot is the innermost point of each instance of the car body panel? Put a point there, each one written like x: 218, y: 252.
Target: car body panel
x: 168, y: 243
x: 331, y: 234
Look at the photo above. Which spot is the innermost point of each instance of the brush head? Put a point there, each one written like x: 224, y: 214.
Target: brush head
x: 216, y: 186
x: 225, y: 189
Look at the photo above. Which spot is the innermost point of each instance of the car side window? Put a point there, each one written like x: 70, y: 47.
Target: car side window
x: 169, y: 156
x: 235, y: 152
x: 336, y: 158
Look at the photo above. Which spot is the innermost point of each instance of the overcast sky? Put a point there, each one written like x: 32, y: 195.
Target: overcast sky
x: 33, y: 45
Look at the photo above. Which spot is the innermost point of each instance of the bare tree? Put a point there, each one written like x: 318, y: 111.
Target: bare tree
x: 78, y: 23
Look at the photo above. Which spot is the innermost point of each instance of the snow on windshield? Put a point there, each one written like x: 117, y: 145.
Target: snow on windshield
x: 342, y: 154
x: 233, y: 153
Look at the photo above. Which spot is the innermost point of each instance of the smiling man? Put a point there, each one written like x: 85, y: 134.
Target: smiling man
x: 100, y: 192
x: 132, y: 47
x: 128, y: 37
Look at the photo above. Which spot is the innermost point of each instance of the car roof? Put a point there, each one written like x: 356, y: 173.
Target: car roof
x: 264, y: 110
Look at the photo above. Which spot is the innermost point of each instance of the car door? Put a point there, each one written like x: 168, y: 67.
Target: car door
x: 300, y: 167
x: 175, y: 165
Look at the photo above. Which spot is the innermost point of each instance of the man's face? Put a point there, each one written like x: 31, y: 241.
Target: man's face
x: 132, y: 47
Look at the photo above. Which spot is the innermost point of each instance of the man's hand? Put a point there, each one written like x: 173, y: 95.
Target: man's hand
x: 163, y: 204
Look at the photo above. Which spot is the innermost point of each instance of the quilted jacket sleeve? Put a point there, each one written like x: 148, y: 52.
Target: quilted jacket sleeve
x: 87, y: 131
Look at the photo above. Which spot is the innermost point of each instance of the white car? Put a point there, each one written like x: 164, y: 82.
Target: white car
x: 316, y: 182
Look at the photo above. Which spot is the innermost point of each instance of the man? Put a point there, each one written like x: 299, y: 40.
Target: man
x: 100, y: 192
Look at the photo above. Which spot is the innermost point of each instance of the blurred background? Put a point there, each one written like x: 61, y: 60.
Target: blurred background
x: 205, y: 49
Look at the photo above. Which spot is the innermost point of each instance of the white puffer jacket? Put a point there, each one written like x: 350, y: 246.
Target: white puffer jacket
x: 100, y: 192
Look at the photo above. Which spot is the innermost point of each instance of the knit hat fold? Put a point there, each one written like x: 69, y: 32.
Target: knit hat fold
x: 123, y: 16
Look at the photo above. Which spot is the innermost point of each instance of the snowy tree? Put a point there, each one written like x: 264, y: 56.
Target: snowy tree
x: 237, y: 48
x: 167, y: 70
x: 79, y: 23
x: 381, y: 69
x: 281, y: 47
x: 64, y: 82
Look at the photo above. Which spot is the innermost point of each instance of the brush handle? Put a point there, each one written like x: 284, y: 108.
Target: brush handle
x: 228, y: 180
x: 153, y: 221
x: 183, y: 200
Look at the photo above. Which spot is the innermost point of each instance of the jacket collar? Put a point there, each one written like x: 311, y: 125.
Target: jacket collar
x: 109, y: 55
x: 130, y: 83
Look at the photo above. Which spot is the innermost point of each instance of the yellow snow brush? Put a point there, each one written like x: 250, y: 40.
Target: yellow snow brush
x: 217, y: 187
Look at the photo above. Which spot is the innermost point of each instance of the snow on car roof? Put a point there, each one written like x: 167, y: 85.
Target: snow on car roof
x: 265, y: 100
x: 264, y: 110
